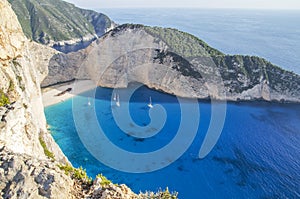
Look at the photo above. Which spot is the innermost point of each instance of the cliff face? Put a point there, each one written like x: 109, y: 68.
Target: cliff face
x: 60, y: 24
x: 25, y: 171
x: 23, y: 176
x: 19, y: 81
x: 174, y: 62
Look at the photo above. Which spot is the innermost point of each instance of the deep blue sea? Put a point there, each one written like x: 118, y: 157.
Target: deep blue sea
x: 257, y: 154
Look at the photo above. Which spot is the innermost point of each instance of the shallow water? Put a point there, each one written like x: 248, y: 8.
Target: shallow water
x: 256, y: 156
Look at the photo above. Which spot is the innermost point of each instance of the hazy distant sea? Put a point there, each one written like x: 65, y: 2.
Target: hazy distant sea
x: 274, y: 35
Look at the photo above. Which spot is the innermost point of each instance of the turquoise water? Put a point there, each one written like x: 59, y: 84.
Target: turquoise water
x: 274, y: 35
x: 257, y: 155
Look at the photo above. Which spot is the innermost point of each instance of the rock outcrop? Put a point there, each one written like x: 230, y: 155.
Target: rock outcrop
x: 23, y: 176
x: 174, y: 62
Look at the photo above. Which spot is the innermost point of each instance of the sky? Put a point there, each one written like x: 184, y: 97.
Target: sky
x: 245, y: 4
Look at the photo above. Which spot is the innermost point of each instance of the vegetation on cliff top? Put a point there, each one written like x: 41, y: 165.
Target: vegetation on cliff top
x: 182, y: 43
x: 239, y: 72
x: 179, y: 42
x: 104, y: 181
x: 55, y: 20
x: 76, y: 173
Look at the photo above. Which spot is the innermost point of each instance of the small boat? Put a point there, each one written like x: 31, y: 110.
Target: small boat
x: 150, y: 103
x: 118, y: 101
x: 115, y: 97
x: 89, y: 103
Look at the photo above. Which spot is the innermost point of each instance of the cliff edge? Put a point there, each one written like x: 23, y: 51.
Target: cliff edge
x: 175, y: 62
x: 25, y: 170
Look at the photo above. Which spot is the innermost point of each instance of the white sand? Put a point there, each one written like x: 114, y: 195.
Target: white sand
x: 49, y: 94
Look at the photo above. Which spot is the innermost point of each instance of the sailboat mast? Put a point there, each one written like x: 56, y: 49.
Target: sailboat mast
x: 118, y: 100
x: 150, y: 103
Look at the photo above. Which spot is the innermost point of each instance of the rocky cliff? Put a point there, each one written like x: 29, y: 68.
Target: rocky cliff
x: 25, y: 170
x: 31, y: 164
x: 174, y: 62
x: 23, y: 66
x: 60, y: 24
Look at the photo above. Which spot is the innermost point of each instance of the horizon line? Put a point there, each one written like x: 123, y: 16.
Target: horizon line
x: 206, y: 8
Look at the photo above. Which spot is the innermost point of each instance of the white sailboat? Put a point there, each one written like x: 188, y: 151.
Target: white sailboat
x: 89, y: 103
x: 150, y: 103
x: 118, y: 101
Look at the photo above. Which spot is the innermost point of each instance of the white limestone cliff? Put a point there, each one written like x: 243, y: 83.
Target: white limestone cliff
x: 130, y: 54
x: 23, y: 65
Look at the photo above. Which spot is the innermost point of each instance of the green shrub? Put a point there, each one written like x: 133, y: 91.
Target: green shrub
x: 22, y: 88
x: 167, y: 195
x: 19, y: 78
x: 104, y: 181
x: 81, y: 174
x: 159, y: 195
x: 67, y: 168
x: 21, y: 85
x: 76, y: 173
x: 25, y: 106
x: 15, y: 62
x: 11, y: 86
x: 3, y: 98
x: 48, y: 153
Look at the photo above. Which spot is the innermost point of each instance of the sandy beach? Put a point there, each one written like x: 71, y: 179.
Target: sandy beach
x: 79, y: 86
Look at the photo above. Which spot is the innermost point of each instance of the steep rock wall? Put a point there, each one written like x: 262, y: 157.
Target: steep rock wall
x: 23, y: 66
x: 187, y: 68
